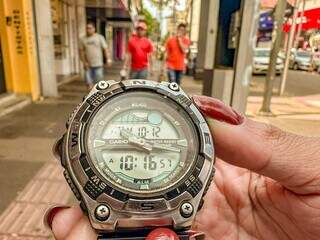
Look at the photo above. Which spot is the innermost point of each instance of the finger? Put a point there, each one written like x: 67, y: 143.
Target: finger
x: 69, y: 224
x: 162, y: 233
x: 288, y: 158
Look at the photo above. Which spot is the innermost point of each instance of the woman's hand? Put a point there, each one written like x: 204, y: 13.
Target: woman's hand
x: 268, y: 184
x: 266, y: 187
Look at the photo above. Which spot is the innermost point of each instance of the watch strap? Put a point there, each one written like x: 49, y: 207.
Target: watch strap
x: 136, y: 235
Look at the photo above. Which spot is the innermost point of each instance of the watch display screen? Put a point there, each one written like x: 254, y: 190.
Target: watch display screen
x: 142, y: 142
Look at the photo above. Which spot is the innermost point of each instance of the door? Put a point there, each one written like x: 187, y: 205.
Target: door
x: 2, y: 77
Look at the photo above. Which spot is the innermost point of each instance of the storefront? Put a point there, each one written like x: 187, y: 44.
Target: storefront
x: 39, y: 41
x: 18, y: 65
x: 2, y: 75
x: 65, y: 35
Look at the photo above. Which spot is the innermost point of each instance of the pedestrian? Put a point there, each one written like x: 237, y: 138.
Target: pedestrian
x: 139, y: 53
x: 266, y: 186
x: 93, y: 47
x: 176, y: 49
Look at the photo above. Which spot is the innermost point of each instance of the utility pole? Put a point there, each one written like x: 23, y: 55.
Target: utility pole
x: 278, y: 22
x: 289, y: 46
x: 296, y: 42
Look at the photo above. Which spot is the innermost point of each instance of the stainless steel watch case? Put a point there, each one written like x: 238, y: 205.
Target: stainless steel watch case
x: 108, y: 208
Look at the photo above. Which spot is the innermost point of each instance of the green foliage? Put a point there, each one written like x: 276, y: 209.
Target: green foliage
x: 152, y: 23
x: 158, y: 3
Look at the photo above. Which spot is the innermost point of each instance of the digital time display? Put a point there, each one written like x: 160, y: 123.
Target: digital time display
x: 141, y: 141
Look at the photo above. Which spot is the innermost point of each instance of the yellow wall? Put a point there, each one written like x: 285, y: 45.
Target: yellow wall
x: 18, y: 46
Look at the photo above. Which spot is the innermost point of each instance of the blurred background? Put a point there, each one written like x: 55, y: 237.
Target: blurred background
x: 262, y: 57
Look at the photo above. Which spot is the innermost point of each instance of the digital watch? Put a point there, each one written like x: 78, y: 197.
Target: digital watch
x: 137, y: 155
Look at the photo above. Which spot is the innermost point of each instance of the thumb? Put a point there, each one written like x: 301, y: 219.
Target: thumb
x: 69, y: 224
x: 287, y: 158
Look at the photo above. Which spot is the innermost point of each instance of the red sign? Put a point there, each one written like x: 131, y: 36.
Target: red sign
x: 310, y: 20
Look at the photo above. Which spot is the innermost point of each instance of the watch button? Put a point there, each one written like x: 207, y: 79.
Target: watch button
x: 57, y: 151
x: 72, y: 115
x: 71, y: 185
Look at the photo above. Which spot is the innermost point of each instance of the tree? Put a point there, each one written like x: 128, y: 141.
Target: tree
x: 152, y: 23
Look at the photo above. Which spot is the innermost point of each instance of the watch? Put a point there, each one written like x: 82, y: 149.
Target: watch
x: 137, y: 155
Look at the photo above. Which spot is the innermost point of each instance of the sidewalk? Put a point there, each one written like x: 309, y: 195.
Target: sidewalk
x: 300, y: 115
x: 31, y: 179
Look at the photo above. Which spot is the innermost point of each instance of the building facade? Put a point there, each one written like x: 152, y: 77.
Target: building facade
x: 39, y: 40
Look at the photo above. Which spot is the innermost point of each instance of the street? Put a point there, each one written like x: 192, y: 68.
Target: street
x: 299, y: 83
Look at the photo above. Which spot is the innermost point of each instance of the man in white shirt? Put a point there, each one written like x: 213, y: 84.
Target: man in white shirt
x: 92, y: 49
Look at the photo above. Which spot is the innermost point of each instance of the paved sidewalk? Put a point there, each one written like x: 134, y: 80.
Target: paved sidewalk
x: 32, y: 180
x: 300, y: 115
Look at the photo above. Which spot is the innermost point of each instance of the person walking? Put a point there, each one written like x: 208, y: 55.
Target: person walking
x: 139, y: 53
x: 176, y: 49
x: 93, y: 47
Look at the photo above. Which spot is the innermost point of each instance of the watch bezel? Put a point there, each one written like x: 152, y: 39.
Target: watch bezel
x: 195, y: 163
x: 93, y: 183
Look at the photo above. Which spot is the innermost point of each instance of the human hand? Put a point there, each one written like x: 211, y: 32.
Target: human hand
x: 86, y: 65
x: 267, y: 187
x: 109, y: 63
x: 70, y: 224
x: 268, y: 184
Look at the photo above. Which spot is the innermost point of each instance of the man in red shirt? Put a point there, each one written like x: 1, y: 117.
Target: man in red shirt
x: 177, y: 47
x: 139, y: 53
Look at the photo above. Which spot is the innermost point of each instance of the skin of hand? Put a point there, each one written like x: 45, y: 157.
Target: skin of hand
x: 108, y: 57
x: 127, y: 61
x: 267, y: 185
x: 83, y: 59
x: 86, y: 65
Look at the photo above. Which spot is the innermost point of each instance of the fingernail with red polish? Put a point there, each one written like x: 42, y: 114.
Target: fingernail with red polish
x: 51, y: 213
x: 217, y: 110
x: 162, y: 233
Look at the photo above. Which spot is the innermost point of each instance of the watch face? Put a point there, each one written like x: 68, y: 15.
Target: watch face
x: 142, y: 142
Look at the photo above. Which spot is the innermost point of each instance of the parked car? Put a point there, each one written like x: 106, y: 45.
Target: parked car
x: 301, y: 60
x: 261, y: 60
x: 316, y: 61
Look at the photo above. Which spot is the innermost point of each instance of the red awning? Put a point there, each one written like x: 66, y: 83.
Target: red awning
x: 310, y: 20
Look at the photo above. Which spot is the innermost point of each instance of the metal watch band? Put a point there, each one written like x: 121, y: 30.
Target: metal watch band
x: 135, y: 235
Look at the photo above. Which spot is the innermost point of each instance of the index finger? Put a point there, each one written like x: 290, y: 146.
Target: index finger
x: 287, y: 158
